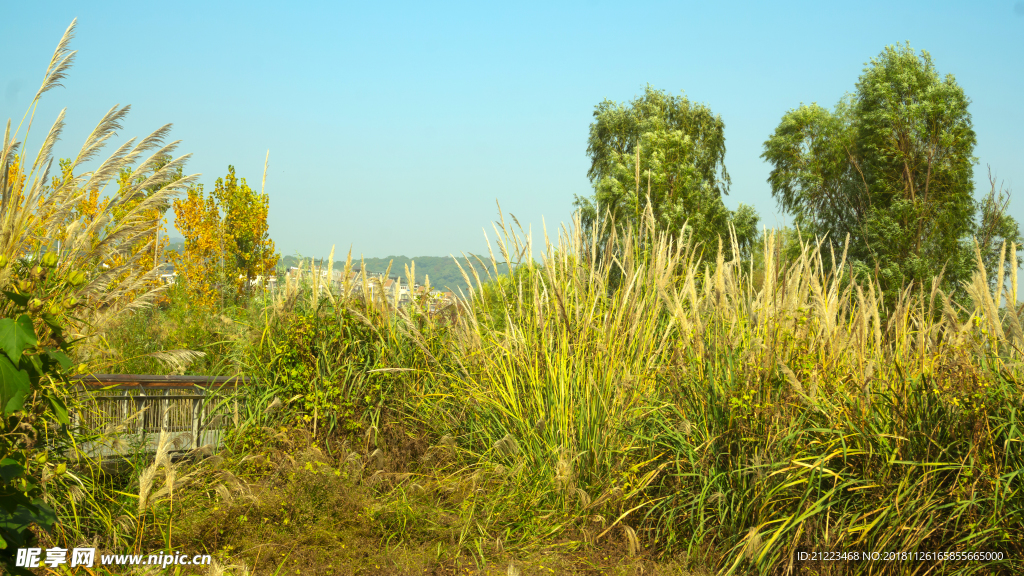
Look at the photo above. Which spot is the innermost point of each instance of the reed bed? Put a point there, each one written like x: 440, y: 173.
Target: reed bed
x: 625, y: 391
x: 633, y: 389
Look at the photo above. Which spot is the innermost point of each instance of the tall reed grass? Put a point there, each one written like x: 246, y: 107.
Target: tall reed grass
x: 670, y: 399
x: 40, y: 214
x: 637, y: 391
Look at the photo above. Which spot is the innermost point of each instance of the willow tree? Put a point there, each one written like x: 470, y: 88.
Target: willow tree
x: 891, y: 167
x: 664, y: 154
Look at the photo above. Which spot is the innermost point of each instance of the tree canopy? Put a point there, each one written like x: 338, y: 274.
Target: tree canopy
x: 891, y: 167
x: 226, y: 239
x: 245, y: 226
x: 665, y: 153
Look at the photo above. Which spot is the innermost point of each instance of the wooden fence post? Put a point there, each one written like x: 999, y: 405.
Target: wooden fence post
x: 165, y: 416
x: 142, y: 408
x: 197, y: 415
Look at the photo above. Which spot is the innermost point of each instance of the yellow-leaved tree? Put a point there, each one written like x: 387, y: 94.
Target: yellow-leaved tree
x: 227, y: 240
x: 198, y: 220
x: 246, y: 232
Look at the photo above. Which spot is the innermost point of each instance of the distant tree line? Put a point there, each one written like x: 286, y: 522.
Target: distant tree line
x: 890, y: 169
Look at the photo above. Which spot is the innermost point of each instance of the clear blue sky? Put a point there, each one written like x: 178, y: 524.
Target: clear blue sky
x: 394, y: 127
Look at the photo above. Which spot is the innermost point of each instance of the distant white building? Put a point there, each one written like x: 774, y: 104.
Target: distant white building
x: 167, y: 273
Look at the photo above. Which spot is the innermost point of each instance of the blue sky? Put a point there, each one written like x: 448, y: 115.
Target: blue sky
x: 394, y: 127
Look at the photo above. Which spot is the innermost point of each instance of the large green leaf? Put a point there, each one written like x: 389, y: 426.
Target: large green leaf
x: 19, y: 299
x: 16, y: 335
x: 61, y: 358
x: 14, y: 386
x: 10, y: 469
x: 60, y: 410
x: 15, y: 523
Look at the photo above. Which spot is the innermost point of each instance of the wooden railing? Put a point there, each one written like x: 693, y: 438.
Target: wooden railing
x: 133, y: 410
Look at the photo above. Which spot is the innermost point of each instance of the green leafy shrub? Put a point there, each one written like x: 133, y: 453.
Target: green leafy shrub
x: 317, y: 358
x: 33, y: 363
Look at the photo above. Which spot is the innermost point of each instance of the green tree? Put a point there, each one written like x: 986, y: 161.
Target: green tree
x: 666, y: 153
x: 892, y: 168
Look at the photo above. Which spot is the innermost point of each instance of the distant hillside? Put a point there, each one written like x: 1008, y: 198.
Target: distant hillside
x: 443, y: 272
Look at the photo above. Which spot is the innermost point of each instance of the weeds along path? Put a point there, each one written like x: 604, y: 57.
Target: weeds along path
x: 633, y: 390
